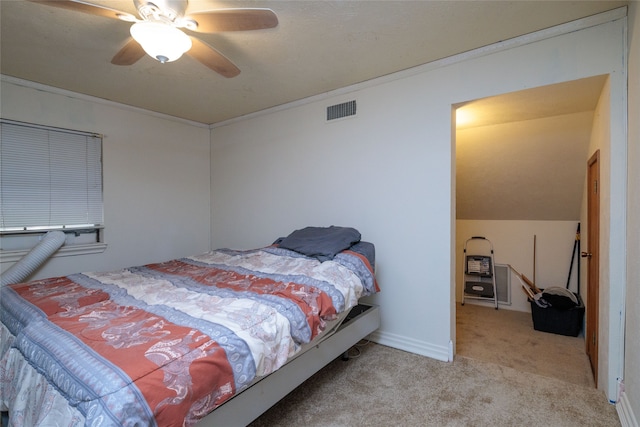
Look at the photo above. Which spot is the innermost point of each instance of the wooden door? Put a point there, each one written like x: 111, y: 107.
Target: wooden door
x: 592, y: 255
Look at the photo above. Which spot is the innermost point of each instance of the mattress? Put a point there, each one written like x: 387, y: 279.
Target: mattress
x: 166, y: 343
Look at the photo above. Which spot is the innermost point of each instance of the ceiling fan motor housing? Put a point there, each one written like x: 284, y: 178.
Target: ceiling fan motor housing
x: 159, y: 33
x: 161, y: 10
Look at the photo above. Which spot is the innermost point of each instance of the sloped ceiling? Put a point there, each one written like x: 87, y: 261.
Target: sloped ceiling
x: 523, y: 155
x: 318, y: 46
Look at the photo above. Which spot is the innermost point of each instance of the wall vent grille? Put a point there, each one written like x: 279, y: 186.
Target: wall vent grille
x: 503, y: 284
x: 340, y: 111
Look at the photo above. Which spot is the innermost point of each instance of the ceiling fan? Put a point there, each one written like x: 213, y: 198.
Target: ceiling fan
x: 159, y: 30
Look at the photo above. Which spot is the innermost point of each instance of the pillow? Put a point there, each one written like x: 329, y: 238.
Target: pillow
x: 322, y: 243
x: 367, y: 249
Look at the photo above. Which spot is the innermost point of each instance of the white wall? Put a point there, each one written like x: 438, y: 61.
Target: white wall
x: 631, y: 375
x: 388, y: 172
x: 513, y: 243
x: 273, y: 174
x: 155, y: 173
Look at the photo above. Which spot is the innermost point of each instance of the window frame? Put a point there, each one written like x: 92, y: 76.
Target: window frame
x: 94, y: 200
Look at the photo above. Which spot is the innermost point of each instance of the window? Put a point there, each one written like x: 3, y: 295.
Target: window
x: 50, y: 179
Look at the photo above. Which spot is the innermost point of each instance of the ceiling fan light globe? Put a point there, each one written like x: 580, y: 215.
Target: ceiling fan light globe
x: 161, y: 41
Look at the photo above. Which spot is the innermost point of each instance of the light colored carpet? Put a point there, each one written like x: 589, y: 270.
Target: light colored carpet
x: 389, y: 387
x: 507, y: 338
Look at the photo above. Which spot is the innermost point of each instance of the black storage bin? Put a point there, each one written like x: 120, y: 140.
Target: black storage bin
x: 561, y: 322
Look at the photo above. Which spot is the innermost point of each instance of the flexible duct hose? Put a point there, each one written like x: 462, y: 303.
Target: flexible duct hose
x: 22, y: 269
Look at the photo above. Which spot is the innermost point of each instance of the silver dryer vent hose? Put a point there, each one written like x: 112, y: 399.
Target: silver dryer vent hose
x: 22, y: 269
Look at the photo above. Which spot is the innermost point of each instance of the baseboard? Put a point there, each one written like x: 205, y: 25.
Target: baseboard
x: 411, y: 345
x: 625, y: 412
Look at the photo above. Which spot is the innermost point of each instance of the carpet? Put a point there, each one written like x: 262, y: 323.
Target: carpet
x: 384, y: 386
x: 507, y: 337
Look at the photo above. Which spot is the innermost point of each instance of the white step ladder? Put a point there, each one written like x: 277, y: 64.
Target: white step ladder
x: 479, y: 275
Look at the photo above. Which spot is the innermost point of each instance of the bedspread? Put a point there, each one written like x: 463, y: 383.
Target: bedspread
x: 166, y: 343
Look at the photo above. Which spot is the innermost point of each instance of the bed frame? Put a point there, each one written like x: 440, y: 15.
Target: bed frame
x: 249, y: 404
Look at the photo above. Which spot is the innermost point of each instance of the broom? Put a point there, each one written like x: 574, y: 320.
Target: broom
x: 526, y: 280
x: 531, y: 290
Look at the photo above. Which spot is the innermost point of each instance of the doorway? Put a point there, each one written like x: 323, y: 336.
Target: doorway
x: 517, y: 167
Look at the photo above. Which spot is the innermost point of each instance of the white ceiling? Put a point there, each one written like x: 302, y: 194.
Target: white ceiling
x: 553, y: 100
x: 318, y: 46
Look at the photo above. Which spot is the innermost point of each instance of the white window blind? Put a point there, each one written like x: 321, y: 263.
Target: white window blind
x: 50, y: 178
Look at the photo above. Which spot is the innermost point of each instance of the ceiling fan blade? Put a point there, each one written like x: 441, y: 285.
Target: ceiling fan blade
x: 90, y: 8
x: 234, y: 20
x: 130, y: 53
x: 212, y: 58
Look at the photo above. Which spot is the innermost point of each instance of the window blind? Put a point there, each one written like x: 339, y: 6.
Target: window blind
x: 50, y: 178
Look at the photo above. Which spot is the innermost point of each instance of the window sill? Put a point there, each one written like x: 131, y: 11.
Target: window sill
x: 71, y: 250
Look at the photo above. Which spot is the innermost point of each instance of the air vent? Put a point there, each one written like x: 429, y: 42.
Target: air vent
x: 340, y: 111
x: 503, y: 283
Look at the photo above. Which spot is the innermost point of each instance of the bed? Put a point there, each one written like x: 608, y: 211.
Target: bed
x: 210, y: 339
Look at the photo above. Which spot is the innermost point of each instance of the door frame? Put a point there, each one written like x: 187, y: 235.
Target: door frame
x: 592, y: 254
x: 613, y: 239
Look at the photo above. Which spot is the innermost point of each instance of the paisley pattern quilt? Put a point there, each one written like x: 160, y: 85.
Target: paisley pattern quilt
x: 165, y: 344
